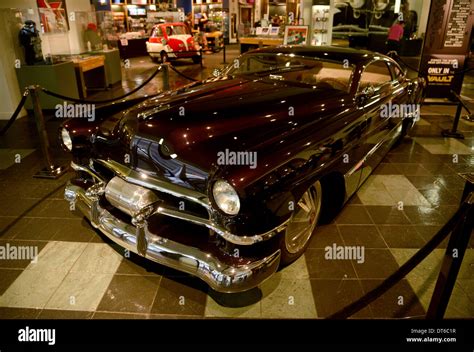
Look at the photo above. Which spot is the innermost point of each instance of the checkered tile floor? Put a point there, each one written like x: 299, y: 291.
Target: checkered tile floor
x: 80, y: 274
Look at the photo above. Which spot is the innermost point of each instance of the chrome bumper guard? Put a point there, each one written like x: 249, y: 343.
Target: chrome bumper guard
x: 219, y: 276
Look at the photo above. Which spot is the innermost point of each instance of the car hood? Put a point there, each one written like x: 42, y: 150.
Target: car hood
x: 203, y: 121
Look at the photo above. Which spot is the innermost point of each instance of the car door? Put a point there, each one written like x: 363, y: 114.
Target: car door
x: 375, y: 95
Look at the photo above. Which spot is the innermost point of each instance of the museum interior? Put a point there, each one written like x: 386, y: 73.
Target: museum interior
x: 237, y: 159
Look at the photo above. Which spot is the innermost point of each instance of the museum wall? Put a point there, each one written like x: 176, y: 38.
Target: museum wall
x: 9, y: 90
x: 72, y: 43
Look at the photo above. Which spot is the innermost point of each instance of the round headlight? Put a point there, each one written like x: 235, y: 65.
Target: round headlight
x: 226, y: 197
x: 66, y: 139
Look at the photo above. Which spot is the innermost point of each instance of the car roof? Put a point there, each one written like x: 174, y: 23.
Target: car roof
x: 327, y: 52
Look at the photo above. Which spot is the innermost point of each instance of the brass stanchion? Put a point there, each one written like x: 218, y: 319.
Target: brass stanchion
x: 166, y: 75
x: 50, y: 171
x: 223, y: 55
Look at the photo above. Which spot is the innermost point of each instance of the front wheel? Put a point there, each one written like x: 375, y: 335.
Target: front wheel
x: 301, y: 225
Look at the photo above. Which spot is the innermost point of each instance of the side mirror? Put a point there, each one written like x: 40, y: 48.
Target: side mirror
x: 364, y: 95
x: 368, y: 91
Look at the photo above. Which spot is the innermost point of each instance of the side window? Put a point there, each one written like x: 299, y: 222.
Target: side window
x: 157, y: 32
x: 375, y: 75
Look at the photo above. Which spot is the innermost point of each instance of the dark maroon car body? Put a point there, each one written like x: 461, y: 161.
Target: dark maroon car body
x: 335, y: 137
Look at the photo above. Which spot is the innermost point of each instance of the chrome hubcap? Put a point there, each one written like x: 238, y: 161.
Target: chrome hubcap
x: 304, y: 219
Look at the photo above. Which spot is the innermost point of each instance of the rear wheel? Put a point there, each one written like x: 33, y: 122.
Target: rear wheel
x: 301, y: 226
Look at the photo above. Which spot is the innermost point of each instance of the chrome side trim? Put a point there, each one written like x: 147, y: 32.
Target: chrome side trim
x: 218, y: 275
x: 360, y: 164
x: 135, y: 178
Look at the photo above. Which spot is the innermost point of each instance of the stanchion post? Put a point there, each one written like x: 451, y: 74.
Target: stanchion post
x: 200, y: 54
x: 166, y: 75
x: 223, y: 54
x: 457, y: 116
x: 453, y: 131
x: 452, y: 261
x: 50, y: 171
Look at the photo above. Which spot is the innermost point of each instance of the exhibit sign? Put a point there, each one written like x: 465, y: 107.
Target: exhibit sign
x: 296, y: 35
x: 446, y: 46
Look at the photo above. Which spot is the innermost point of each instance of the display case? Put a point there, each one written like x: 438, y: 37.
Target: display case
x: 155, y: 17
x: 137, y: 19
x: 97, y: 38
x: 95, y: 30
x: 320, y: 30
x: 219, y: 19
x: 118, y: 17
x: 43, y: 40
x: 39, y: 56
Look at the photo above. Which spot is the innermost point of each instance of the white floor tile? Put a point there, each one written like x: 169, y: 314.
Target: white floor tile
x: 390, y: 190
x: 32, y: 289
x: 443, y: 146
x: 58, y: 255
x: 98, y: 258
x: 80, y: 291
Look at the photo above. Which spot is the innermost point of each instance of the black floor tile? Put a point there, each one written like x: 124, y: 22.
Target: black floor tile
x: 19, y: 313
x: 7, y: 276
x: 325, y: 235
x: 353, y: 214
x: 64, y: 314
x: 332, y: 295
x: 398, y: 302
x: 387, y: 215
x: 182, y: 296
x: 361, y: 235
x: 377, y: 264
x: 401, y: 236
x: 132, y: 294
x: 322, y: 265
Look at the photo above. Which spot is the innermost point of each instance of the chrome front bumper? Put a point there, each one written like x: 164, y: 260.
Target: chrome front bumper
x: 219, y: 276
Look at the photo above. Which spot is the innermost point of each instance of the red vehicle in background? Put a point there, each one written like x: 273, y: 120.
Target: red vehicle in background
x: 172, y: 41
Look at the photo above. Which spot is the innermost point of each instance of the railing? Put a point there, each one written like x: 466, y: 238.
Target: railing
x: 51, y: 170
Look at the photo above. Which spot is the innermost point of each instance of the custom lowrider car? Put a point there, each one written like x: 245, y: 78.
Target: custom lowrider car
x: 172, y: 41
x: 228, y: 178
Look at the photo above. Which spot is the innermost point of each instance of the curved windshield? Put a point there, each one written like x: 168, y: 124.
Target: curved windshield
x: 177, y: 30
x: 312, y: 71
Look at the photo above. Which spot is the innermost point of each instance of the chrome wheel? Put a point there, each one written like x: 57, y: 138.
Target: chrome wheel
x: 304, y: 220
